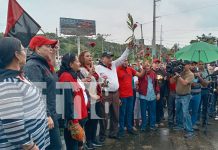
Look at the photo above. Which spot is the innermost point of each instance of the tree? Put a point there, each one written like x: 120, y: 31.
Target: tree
x: 69, y: 44
x: 205, y: 38
x: 1, y: 35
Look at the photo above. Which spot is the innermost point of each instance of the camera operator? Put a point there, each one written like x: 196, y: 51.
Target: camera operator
x: 183, y: 97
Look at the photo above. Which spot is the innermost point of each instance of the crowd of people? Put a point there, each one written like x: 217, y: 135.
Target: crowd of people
x: 126, y: 98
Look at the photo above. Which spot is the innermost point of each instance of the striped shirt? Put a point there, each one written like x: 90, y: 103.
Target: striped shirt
x: 23, y: 118
x: 196, y: 87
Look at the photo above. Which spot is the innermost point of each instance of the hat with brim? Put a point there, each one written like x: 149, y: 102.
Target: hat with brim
x: 187, y: 62
x: 107, y: 54
x: 38, y: 41
x: 156, y: 60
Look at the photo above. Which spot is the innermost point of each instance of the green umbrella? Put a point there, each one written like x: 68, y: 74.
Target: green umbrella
x: 199, y: 51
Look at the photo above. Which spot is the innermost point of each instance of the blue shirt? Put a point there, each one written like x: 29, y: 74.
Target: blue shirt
x: 150, y: 96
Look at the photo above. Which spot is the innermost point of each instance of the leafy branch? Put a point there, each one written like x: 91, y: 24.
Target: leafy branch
x: 132, y: 26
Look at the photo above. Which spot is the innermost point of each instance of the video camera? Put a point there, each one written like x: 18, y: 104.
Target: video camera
x: 174, y: 66
x: 214, y: 77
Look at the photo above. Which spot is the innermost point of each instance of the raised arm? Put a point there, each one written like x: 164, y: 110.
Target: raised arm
x: 123, y: 57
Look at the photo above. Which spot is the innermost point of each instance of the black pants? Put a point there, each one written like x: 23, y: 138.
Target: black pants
x: 159, y: 108
x: 72, y: 144
x: 55, y: 140
x: 92, y: 123
x: 91, y: 129
x: 171, y: 108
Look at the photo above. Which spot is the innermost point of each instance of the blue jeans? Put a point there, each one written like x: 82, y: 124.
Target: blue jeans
x: 194, y: 107
x: 183, y: 118
x: 126, y: 110
x: 151, y: 107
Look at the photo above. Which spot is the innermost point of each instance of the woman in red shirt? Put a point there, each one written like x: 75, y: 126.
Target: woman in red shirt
x: 75, y: 98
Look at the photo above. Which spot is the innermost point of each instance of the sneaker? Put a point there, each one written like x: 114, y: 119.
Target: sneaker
x: 189, y: 135
x: 89, y: 146
x: 102, y: 140
x: 195, y: 127
x: 198, y: 123
x: 121, y: 134
x: 142, y: 129
x: 177, y: 128
x: 97, y: 143
x: 134, y: 128
x: 216, y: 118
x: 153, y: 128
x: 116, y: 137
x: 170, y: 126
x: 160, y: 124
x: 132, y: 132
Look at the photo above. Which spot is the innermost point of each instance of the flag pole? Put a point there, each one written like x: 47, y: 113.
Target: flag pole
x: 42, y: 30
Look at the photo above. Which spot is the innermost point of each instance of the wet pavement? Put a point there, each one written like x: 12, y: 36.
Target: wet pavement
x: 166, y: 139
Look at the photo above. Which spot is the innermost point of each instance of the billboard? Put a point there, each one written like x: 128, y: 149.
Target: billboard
x: 79, y: 27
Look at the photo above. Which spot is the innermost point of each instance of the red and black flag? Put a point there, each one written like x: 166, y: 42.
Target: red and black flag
x: 20, y: 24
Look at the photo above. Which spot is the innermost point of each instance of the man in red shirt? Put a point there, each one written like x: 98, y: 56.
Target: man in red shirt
x: 125, y: 75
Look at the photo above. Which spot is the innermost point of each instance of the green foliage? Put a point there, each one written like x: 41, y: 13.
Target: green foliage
x: 205, y: 38
x: 1, y: 35
x: 132, y: 26
x: 69, y: 44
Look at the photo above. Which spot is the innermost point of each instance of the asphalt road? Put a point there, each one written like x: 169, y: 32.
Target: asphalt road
x: 165, y: 139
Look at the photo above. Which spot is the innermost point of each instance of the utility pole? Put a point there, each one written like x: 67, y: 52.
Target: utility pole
x: 141, y: 40
x: 161, y: 39
x: 102, y: 42
x: 154, y: 53
x: 141, y: 32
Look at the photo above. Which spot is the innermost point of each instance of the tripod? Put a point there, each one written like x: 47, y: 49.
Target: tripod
x: 209, y: 105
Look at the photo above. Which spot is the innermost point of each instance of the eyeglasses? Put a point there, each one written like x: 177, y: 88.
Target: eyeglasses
x: 56, y: 47
x: 201, y: 64
x: 48, y: 46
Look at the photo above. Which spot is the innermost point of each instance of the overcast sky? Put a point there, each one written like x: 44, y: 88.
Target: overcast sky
x: 182, y: 20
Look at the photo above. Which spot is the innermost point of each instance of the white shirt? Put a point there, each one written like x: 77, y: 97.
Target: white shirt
x: 111, y: 74
x: 84, y: 92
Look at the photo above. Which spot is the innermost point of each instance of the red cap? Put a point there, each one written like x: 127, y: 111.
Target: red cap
x: 38, y: 41
x: 156, y: 60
